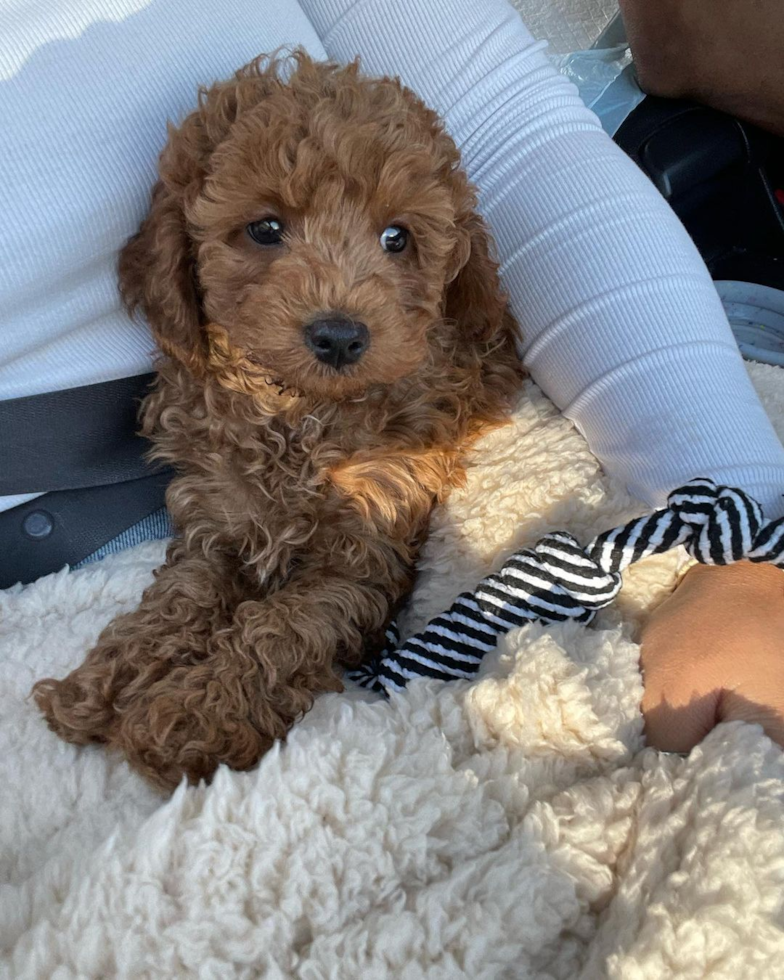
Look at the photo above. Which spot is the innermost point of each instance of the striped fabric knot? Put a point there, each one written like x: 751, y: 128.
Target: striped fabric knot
x: 615, y: 550
x: 722, y: 523
x: 557, y: 580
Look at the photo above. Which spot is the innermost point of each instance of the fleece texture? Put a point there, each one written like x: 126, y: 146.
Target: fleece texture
x: 514, y: 826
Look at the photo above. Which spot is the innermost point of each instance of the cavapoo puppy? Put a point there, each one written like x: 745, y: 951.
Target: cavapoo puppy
x: 333, y: 335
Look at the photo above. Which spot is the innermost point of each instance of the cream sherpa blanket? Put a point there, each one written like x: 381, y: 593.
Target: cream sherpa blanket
x: 509, y: 827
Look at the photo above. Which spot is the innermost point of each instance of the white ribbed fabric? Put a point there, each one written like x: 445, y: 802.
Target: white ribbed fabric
x: 623, y: 328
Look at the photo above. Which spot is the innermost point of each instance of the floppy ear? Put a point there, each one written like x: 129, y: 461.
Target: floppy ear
x: 157, y: 266
x: 474, y: 298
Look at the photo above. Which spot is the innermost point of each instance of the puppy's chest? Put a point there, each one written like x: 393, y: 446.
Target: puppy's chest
x: 311, y: 471
x: 281, y: 465
x: 288, y: 465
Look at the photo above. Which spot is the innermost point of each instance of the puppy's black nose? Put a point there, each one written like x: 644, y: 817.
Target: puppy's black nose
x: 337, y: 341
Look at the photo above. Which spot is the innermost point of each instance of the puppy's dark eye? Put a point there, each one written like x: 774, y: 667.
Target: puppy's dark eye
x: 394, y: 238
x: 268, y: 231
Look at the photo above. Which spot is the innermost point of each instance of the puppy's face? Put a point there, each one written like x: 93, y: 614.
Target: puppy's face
x: 314, y: 229
x: 324, y: 238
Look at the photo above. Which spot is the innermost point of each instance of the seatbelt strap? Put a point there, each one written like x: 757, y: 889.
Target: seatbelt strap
x: 81, y: 451
x: 80, y: 437
x: 64, y: 527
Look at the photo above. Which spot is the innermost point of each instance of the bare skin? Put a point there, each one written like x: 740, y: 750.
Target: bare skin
x: 712, y: 652
x: 724, y: 53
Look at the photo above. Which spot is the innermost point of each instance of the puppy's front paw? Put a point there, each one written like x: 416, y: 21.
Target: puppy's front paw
x: 78, y: 708
x: 187, y: 725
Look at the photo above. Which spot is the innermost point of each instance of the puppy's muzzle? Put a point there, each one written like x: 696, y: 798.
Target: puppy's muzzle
x: 338, y: 341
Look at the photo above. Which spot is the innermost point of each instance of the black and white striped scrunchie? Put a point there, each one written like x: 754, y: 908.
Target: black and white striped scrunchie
x: 558, y: 580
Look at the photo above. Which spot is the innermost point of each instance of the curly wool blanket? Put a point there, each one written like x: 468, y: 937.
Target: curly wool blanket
x: 514, y: 826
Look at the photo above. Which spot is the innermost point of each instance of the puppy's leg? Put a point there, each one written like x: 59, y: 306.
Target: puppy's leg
x: 190, y: 600
x: 261, y: 673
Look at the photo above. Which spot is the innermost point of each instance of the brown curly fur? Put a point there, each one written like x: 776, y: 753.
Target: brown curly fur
x: 302, y: 493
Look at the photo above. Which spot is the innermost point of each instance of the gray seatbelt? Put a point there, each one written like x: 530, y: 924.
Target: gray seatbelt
x: 80, y: 450
x: 81, y: 437
x: 64, y: 527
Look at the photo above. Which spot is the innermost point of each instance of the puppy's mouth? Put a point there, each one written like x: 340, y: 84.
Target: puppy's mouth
x: 316, y: 379
x: 271, y: 380
x: 326, y: 362
x: 242, y: 369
